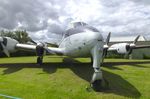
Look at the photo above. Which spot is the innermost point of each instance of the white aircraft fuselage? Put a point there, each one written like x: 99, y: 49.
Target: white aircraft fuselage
x: 80, y: 44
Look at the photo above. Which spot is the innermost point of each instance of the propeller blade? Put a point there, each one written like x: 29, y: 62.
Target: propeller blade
x: 130, y: 51
x: 106, y: 45
x: 136, y: 39
x: 33, y: 41
x: 5, y: 50
x: 108, y: 38
x: 132, y: 45
x: 104, y: 52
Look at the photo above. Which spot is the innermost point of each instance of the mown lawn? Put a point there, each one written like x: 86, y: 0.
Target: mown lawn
x: 64, y: 78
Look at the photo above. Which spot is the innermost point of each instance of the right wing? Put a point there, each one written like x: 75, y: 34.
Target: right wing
x: 9, y: 45
x: 51, y: 50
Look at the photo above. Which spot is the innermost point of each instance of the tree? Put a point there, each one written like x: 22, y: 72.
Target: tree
x: 20, y: 35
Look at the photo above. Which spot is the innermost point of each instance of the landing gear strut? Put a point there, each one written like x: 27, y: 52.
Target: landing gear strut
x: 39, y: 60
x: 97, y: 82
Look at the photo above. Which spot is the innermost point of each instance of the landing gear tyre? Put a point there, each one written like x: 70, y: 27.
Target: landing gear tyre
x: 100, y: 85
x: 39, y: 61
x: 97, y: 85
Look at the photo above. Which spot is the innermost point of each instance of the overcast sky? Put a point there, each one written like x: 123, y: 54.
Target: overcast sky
x: 47, y: 18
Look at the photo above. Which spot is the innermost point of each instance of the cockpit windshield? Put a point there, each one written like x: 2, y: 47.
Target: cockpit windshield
x: 77, y: 24
x: 79, y: 27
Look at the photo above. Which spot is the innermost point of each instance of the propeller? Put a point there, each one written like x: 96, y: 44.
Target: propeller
x: 131, y: 46
x: 3, y: 48
x: 106, y: 45
x: 32, y: 41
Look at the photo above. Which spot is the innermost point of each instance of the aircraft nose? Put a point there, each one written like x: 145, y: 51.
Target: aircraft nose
x: 98, y: 36
x: 94, y: 37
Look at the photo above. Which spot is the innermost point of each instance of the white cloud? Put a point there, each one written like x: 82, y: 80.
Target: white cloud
x: 121, y: 17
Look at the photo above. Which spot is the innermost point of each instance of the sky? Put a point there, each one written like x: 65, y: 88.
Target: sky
x: 48, y: 19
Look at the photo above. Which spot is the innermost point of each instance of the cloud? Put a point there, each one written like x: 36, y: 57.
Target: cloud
x: 48, y: 18
x: 145, y: 2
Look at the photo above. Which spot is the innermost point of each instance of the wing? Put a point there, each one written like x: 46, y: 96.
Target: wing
x: 50, y: 50
x: 126, y: 48
x: 53, y: 42
x: 115, y: 47
x: 141, y: 46
x: 123, y: 48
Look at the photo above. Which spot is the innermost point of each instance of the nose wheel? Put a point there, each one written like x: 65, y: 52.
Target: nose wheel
x: 97, y: 85
x: 39, y: 60
x: 100, y: 85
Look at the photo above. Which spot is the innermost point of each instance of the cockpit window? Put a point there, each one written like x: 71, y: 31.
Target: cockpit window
x: 73, y: 31
x: 77, y: 24
x: 79, y: 27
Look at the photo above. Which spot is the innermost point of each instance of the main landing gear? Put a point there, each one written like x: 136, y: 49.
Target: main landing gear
x: 39, y: 60
x: 40, y: 52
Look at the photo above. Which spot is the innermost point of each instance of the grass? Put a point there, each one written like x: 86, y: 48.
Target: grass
x: 63, y: 78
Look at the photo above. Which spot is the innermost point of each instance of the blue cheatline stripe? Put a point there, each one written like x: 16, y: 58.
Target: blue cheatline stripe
x: 11, y: 97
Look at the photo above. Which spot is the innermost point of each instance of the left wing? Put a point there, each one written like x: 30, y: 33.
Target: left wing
x: 126, y: 48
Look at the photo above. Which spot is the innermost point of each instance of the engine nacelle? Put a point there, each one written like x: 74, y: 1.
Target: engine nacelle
x: 122, y: 48
x: 9, y: 43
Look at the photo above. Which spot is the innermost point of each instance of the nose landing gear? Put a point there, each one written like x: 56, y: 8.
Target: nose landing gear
x: 98, y: 83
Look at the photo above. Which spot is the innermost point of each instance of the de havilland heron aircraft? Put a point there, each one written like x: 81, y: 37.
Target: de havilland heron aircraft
x: 80, y: 40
